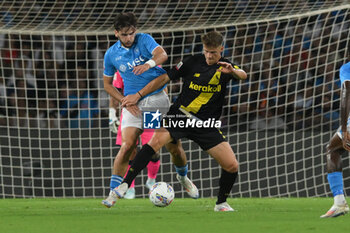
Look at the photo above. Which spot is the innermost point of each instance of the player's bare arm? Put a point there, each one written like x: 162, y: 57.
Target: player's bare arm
x: 159, y: 57
x: 235, y: 71
x: 345, y: 108
x: 110, y: 89
x: 155, y: 84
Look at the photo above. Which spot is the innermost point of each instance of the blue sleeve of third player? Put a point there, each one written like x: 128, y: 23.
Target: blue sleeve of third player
x: 345, y: 72
x: 108, y: 67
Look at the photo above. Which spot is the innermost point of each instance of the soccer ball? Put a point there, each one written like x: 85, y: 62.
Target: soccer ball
x: 161, y: 194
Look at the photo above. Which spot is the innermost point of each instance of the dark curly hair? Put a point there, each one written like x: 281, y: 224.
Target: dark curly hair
x: 123, y: 20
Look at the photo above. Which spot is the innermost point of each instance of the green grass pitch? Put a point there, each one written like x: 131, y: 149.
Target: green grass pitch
x: 256, y: 215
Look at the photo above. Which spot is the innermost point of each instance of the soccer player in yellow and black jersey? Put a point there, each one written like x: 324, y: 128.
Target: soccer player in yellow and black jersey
x: 195, y: 114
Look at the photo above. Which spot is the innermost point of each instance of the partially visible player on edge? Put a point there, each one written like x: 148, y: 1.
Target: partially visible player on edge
x: 153, y: 165
x: 339, y: 143
x: 205, y: 79
x: 136, y: 56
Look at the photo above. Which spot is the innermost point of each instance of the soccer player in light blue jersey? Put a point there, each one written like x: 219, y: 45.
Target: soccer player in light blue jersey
x: 136, y: 56
x: 339, y: 144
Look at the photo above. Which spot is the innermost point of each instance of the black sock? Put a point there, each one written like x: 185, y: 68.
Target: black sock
x: 226, y: 182
x: 155, y: 159
x: 140, y: 161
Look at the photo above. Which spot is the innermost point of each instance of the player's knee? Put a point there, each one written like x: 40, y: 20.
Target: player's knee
x: 155, y: 143
x: 231, y: 167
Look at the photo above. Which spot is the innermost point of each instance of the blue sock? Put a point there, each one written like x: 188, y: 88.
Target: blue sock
x: 115, y: 181
x: 182, y: 171
x: 335, y: 180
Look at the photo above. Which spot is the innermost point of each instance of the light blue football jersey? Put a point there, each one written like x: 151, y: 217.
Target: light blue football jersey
x: 124, y: 59
x: 344, y: 72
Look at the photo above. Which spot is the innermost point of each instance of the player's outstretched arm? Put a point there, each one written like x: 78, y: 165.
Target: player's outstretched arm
x: 159, y: 57
x: 155, y: 84
x: 344, y: 111
x: 229, y: 69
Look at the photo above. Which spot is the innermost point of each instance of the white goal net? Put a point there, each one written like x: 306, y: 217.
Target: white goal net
x: 54, y: 136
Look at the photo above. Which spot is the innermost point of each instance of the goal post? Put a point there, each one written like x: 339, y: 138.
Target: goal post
x: 278, y: 121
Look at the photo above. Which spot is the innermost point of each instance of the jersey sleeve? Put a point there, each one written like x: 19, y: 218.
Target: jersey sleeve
x: 108, y: 67
x: 149, y: 42
x: 233, y: 64
x: 229, y: 77
x: 180, y: 69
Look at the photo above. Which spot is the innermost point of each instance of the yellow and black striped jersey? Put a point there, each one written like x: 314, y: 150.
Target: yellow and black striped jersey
x: 204, y: 88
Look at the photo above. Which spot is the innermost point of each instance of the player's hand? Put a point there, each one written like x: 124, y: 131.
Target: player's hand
x: 225, y: 67
x: 130, y: 100
x: 134, y: 110
x: 141, y: 69
x: 346, y: 141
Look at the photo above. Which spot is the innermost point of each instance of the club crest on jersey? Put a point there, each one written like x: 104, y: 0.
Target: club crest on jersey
x: 178, y: 66
x: 122, y: 68
x: 118, y: 58
x: 136, y: 50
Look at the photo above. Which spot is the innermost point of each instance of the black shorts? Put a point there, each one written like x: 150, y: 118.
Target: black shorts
x: 206, y: 138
